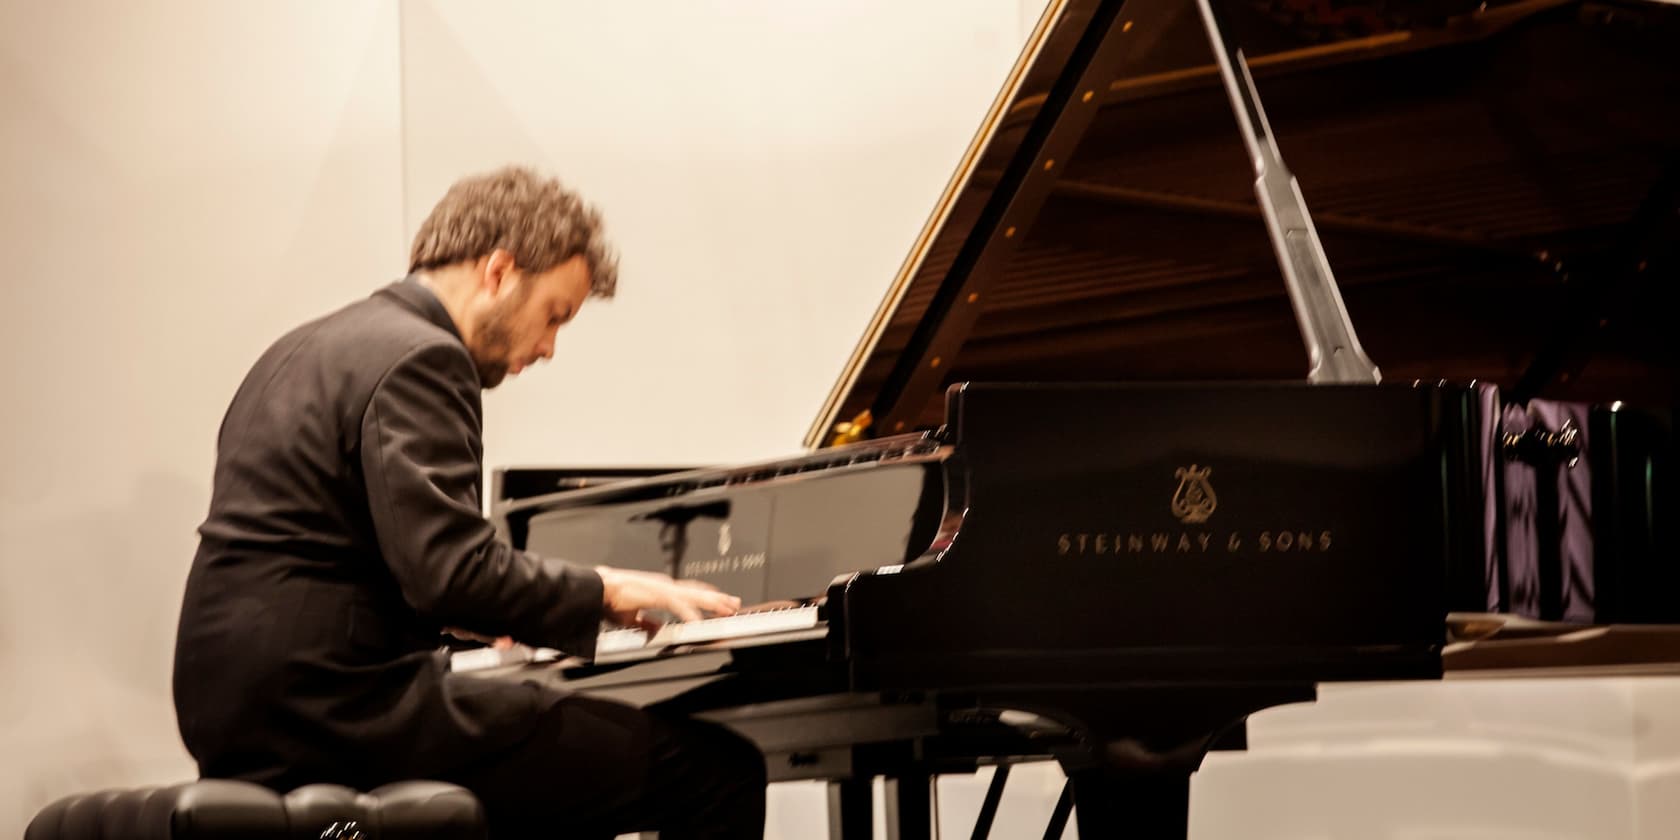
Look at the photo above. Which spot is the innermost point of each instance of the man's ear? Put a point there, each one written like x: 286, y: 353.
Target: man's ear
x: 498, y: 271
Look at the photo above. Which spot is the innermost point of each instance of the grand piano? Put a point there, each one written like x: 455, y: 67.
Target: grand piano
x: 1111, y: 467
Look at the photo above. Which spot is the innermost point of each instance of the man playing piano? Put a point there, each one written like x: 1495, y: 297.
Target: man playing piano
x: 345, y: 532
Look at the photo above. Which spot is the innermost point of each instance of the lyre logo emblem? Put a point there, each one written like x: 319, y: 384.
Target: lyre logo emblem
x: 724, y: 540
x: 1194, y: 500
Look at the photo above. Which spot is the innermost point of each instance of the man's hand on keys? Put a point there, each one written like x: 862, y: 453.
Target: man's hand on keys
x: 627, y: 593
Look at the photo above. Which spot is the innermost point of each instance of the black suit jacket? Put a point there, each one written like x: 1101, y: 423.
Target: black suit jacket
x: 344, y: 533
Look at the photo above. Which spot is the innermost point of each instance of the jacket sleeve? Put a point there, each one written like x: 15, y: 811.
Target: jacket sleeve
x: 421, y: 460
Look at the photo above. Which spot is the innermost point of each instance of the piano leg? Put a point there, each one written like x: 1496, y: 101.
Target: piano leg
x: 851, y: 809
x: 909, y: 811
x: 1130, y: 776
x: 1132, y: 805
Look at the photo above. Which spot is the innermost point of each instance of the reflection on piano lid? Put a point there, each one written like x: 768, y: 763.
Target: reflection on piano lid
x: 1075, y: 467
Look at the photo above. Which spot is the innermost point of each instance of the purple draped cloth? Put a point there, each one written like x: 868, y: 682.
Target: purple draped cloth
x: 1548, y: 545
x: 1574, y: 509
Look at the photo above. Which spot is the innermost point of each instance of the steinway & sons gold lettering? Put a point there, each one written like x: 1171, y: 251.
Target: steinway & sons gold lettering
x: 1088, y: 543
x: 733, y: 563
x: 1193, y: 502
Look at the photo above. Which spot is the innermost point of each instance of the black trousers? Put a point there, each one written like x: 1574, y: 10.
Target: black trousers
x: 596, y: 769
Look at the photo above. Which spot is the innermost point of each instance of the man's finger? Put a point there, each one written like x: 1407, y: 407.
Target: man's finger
x: 715, y: 607
x: 684, y: 610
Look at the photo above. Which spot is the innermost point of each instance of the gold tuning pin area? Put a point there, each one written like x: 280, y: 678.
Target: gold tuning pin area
x: 851, y: 431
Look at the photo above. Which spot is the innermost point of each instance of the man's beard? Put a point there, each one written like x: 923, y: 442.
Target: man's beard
x: 495, y: 342
x: 490, y: 373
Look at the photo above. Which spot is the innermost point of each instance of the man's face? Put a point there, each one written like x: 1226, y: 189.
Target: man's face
x: 519, y: 313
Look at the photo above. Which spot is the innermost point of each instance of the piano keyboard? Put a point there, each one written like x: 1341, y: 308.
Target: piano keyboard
x: 629, y: 643
x: 708, y: 630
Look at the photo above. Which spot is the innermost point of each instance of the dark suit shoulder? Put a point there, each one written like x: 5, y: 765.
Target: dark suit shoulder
x: 381, y: 331
x: 303, y: 400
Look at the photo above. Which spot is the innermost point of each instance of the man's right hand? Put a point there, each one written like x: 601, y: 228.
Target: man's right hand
x: 626, y: 593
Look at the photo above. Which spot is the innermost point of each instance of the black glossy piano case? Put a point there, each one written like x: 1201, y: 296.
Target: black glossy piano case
x: 1585, y: 520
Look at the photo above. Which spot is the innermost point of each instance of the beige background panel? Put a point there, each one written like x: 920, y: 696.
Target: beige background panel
x: 764, y: 167
x: 182, y: 180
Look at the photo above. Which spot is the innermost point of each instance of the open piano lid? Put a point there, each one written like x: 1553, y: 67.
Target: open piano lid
x: 1495, y: 185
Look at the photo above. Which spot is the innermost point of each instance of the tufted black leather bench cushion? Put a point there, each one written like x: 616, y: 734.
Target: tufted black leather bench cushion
x: 417, y: 810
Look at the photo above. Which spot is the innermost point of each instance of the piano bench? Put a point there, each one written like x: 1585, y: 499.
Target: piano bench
x: 220, y: 808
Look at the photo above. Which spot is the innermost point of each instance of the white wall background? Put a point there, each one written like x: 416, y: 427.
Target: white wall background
x: 184, y: 181
x: 764, y: 166
x: 179, y: 182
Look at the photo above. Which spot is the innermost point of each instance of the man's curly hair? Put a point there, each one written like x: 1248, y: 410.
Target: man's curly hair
x: 536, y: 219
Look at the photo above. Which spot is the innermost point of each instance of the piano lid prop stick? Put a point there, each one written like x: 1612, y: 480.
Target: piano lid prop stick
x: 1333, y: 351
